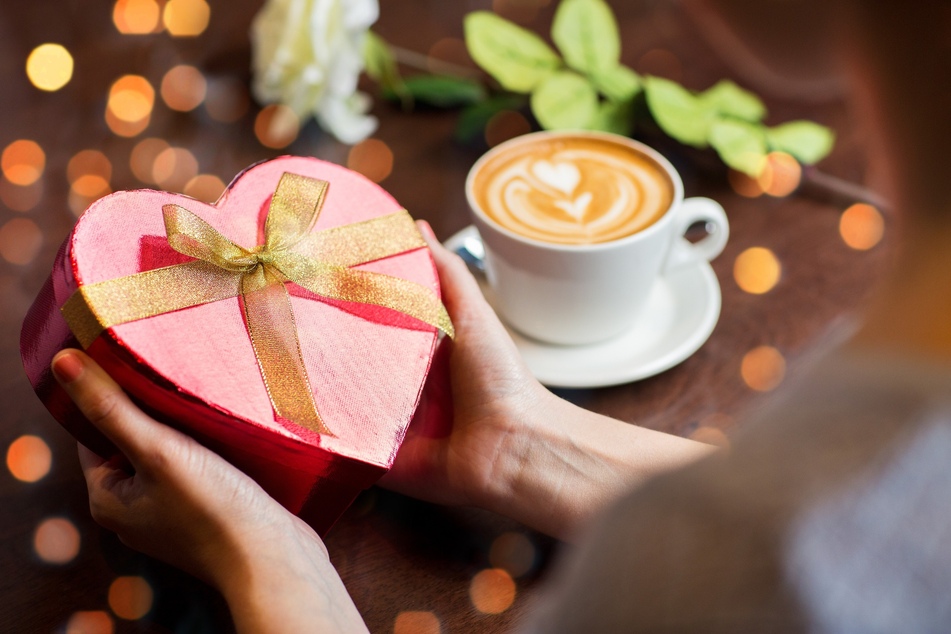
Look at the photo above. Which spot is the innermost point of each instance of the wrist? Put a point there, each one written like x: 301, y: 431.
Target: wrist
x: 286, y: 582
x: 523, y: 480
x: 564, y: 464
x: 244, y: 559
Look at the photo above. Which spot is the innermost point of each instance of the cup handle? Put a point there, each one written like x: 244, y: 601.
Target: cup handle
x: 692, y: 210
x: 472, y: 251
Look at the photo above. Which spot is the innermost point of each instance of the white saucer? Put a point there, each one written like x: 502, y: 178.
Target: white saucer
x: 682, y: 310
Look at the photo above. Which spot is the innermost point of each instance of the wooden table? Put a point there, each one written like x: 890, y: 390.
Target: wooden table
x: 409, y: 565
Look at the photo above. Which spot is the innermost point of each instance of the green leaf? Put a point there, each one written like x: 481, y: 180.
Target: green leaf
x: 614, y: 116
x: 678, y: 112
x: 807, y: 141
x: 443, y: 91
x: 517, y: 58
x: 381, y: 66
x: 587, y: 35
x: 741, y: 145
x: 474, y: 118
x: 618, y: 83
x: 565, y: 100
x: 729, y: 99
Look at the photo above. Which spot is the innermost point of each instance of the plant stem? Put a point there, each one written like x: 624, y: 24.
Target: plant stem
x: 841, y: 188
x: 420, y: 61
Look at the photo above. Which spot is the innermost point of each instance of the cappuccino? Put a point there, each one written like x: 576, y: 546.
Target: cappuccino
x: 571, y: 189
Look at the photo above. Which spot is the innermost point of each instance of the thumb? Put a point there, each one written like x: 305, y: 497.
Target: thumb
x: 104, y: 403
x: 461, y: 293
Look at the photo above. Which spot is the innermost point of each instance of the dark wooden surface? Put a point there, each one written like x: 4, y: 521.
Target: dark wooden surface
x: 395, y: 554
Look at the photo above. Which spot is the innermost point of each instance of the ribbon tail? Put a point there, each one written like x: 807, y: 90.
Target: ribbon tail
x: 94, y: 308
x: 362, y: 242
x: 270, y: 321
x: 367, y: 287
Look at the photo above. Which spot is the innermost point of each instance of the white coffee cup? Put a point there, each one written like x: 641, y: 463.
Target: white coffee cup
x: 576, y: 294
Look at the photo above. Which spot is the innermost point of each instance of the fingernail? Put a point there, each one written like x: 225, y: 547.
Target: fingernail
x: 67, y: 367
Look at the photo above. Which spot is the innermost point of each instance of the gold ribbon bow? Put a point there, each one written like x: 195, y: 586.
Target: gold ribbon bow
x: 318, y: 262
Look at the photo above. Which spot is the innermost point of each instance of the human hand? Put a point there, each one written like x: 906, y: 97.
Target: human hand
x: 495, y: 400
x: 509, y: 445
x: 171, y: 498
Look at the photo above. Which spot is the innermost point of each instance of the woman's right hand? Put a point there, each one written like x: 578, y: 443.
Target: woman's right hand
x: 491, y: 400
x: 505, y: 443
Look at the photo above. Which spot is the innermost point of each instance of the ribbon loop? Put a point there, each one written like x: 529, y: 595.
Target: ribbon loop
x: 293, y: 212
x: 190, y: 235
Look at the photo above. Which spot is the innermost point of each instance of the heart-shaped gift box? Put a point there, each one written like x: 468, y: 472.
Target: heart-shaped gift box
x: 297, y: 253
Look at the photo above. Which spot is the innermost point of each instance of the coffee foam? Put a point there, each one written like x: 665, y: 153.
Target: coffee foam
x: 572, y: 190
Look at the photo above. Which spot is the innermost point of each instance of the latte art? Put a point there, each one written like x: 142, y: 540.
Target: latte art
x: 577, y: 190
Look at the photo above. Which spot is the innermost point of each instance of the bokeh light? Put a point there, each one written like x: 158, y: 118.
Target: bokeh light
x: 861, y: 226
x: 91, y: 186
x: 23, y: 162
x: 21, y: 198
x: 131, y: 98
x: 183, y: 88
x: 142, y: 158
x: 492, y: 591
x: 227, y: 99
x: 20, y: 241
x: 85, y: 190
x: 125, y: 128
x: 136, y: 17
x: 186, y: 18
x: 513, y: 552
x: 49, y: 67
x: 29, y: 458
x: 416, y: 623
x: 781, y: 175
x: 276, y: 126
x: 173, y: 168
x: 204, y: 187
x: 373, y: 158
x: 129, y: 109
x: 712, y: 429
x: 757, y: 270
x: 56, y: 540
x: 744, y: 184
x: 710, y: 436
x: 763, y: 368
x: 88, y: 173
x: 90, y: 622
x: 88, y: 162
x: 130, y: 598
x: 505, y: 125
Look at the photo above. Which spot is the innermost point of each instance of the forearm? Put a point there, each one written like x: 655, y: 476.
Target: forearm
x: 568, y: 463
x: 288, y: 585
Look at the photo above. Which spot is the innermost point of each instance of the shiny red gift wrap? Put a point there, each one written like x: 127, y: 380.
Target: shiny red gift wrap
x: 196, y: 368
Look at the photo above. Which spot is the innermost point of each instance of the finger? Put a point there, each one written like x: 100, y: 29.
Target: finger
x: 89, y: 459
x: 106, y: 406
x: 477, y: 325
x: 461, y: 292
x: 104, y: 480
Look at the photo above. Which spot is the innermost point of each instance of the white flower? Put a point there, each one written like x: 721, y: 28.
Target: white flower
x: 308, y: 55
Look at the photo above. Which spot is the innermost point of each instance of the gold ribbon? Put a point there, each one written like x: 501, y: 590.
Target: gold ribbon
x: 318, y: 262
